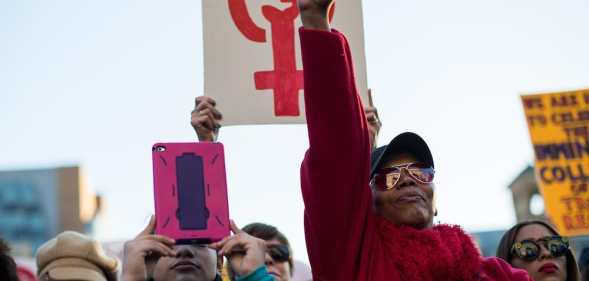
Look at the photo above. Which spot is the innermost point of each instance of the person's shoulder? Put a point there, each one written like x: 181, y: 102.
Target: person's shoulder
x: 498, y: 269
x: 260, y: 274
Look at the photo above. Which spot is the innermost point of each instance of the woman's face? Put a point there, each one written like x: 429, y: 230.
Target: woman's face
x: 545, y: 267
x: 410, y: 202
x: 279, y: 270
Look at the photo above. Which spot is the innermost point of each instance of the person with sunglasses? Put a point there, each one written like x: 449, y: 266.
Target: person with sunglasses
x: 278, y: 258
x: 369, y: 217
x: 536, y: 247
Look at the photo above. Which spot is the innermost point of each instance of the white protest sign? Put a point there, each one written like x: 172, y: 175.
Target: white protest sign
x: 252, y: 58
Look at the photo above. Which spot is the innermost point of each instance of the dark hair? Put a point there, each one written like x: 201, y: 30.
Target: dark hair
x: 583, y: 260
x: 7, y: 264
x: 265, y: 232
x: 508, y: 239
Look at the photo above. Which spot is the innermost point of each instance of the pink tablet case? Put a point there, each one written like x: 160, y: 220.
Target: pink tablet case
x: 190, y: 191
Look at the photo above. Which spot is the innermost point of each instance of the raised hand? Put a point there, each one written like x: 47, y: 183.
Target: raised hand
x: 146, y: 246
x: 245, y: 252
x: 374, y: 123
x: 305, y: 5
x: 206, y: 119
x: 314, y: 13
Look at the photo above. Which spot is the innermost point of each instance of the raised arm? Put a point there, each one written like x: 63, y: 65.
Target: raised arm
x: 334, y: 174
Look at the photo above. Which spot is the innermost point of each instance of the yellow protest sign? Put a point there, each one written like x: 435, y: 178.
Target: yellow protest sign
x: 559, y: 129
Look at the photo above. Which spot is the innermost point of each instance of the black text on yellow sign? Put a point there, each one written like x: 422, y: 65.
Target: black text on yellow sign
x: 559, y: 129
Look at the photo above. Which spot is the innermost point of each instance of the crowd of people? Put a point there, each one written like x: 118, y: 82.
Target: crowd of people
x: 369, y: 212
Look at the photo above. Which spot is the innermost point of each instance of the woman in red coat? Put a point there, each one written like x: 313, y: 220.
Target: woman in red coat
x: 382, y: 230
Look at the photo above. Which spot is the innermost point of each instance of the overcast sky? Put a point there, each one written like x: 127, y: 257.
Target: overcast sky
x: 96, y: 83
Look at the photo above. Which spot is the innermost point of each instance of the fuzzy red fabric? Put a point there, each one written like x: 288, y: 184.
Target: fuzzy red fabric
x: 445, y: 251
x: 345, y: 239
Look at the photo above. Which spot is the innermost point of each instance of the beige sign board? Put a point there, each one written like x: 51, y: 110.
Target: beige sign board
x: 252, y: 58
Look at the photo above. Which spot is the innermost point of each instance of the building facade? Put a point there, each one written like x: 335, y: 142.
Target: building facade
x: 36, y: 205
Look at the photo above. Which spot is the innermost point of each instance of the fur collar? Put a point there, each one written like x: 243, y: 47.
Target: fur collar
x: 444, y: 252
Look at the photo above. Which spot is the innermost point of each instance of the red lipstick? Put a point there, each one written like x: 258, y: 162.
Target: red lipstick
x: 548, y: 268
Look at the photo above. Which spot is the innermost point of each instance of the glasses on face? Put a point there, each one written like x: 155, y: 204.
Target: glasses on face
x: 387, y: 178
x: 279, y: 253
x: 529, y: 250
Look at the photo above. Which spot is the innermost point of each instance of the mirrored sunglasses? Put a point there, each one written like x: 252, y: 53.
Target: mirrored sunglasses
x: 387, y: 178
x: 529, y: 250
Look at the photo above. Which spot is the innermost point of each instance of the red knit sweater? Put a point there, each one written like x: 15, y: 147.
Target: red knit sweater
x: 345, y: 239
